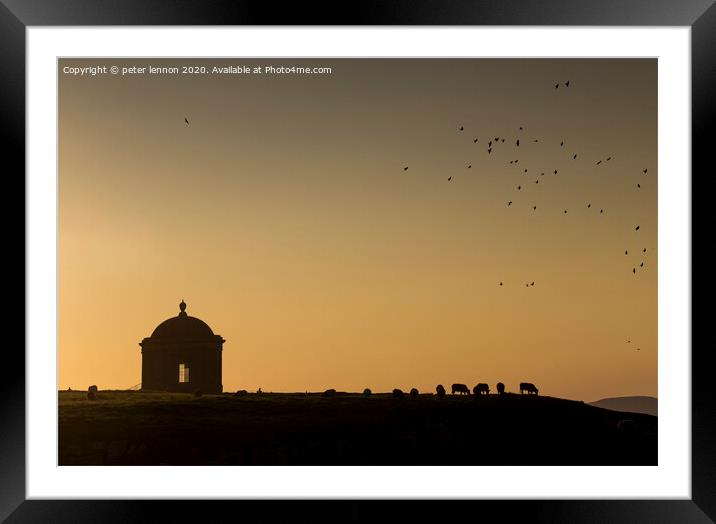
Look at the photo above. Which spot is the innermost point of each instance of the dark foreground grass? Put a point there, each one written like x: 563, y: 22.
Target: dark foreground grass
x: 141, y: 428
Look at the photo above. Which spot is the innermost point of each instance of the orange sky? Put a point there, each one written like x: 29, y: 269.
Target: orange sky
x: 283, y: 217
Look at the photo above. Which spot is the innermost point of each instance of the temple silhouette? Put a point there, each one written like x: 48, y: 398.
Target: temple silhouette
x: 182, y: 355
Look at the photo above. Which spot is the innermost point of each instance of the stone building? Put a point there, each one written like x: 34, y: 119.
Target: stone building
x: 182, y: 355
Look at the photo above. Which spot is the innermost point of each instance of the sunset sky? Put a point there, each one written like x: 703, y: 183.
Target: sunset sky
x: 284, y: 217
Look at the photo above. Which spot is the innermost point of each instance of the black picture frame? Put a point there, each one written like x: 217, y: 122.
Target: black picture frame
x: 17, y: 15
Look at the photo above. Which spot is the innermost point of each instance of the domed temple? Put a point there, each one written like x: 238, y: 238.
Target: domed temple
x: 182, y: 355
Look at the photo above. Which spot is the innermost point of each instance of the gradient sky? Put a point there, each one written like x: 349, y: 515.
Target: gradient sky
x: 283, y: 217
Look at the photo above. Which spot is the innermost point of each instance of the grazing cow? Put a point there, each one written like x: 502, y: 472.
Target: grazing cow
x: 92, y: 388
x: 414, y: 393
x: 500, y: 388
x: 397, y: 393
x: 481, y: 388
x: 367, y: 392
x: 460, y: 388
x: 241, y: 393
x: 529, y: 388
x: 440, y: 390
x: 329, y: 393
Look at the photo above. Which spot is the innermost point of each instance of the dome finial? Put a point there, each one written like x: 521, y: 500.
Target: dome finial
x: 182, y: 307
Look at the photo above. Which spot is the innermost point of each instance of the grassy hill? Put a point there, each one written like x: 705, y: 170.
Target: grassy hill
x: 141, y: 428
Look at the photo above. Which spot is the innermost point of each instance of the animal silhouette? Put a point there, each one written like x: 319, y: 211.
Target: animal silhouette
x: 529, y: 388
x: 92, y: 388
x: 367, y: 392
x: 397, y: 393
x: 500, y: 388
x: 481, y: 388
x: 460, y: 388
x: 329, y: 393
x: 440, y: 390
x: 414, y: 393
x: 241, y: 393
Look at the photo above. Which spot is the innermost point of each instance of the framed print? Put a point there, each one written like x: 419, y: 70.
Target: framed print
x: 423, y: 252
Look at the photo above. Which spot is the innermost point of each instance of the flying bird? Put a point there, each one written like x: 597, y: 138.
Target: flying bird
x: 187, y: 121
x: 520, y: 128
x: 556, y: 86
x: 561, y: 144
x: 589, y: 205
x: 536, y: 181
x: 462, y: 128
x: 555, y: 171
x: 532, y: 284
x: 449, y: 178
x: 518, y: 142
x: 637, y: 228
x: 509, y: 203
x: 567, y: 83
x: 601, y: 211
x: 609, y: 158
x: 519, y: 188
x: 645, y: 171
x: 641, y: 265
x: 599, y: 162
x: 469, y: 166
x: 535, y: 140
x: 500, y: 283
x: 534, y: 208
x: 405, y: 168
x: 475, y: 141
x: 626, y: 252
x: 565, y: 211
x: 574, y: 157
x: 644, y: 251
x: 489, y: 150
x: 489, y: 144
x: 634, y: 271
x: 638, y: 186
x: 638, y: 349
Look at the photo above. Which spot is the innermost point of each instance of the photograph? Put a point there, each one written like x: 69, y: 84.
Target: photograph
x: 357, y: 261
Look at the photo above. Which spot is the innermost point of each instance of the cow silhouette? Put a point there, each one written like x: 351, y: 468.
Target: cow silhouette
x: 367, y: 392
x: 481, y: 388
x: 500, y: 388
x: 440, y: 390
x: 92, y: 388
x: 529, y: 388
x: 397, y: 393
x: 460, y: 388
x: 414, y: 393
x: 329, y: 393
x: 241, y: 393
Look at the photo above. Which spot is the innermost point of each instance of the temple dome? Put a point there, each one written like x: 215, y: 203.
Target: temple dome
x: 183, y: 328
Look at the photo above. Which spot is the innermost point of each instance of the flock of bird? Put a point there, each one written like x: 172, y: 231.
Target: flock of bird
x: 493, y: 142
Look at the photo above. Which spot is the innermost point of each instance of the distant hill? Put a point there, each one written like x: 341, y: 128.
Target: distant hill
x: 648, y: 405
